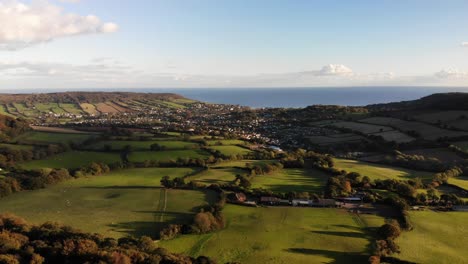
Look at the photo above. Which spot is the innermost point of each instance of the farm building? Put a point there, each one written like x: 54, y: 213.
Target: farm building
x: 238, y: 197
x: 270, y: 200
x: 301, y: 202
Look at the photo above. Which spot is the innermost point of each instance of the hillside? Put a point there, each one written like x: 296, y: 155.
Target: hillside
x: 440, y: 101
x: 77, y: 104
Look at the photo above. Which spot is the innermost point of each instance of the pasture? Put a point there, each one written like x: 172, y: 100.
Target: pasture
x: 142, y: 145
x: 292, y: 180
x: 231, y: 150
x: 44, y: 138
x: 335, y: 139
x: 381, y: 172
x: 73, y: 160
x: 426, y: 131
x: 438, y: 237
x: 225, y: 142
x: 117, y: 204
x: 167, y: 155
x: 283, y: 235
x: 16, y: 146
x: 216, y: 176
x: 459, y: 181
x: 442, y: 154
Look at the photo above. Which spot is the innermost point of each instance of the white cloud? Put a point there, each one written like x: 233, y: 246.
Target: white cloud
x: 451, y: 74
x: 69, y: 1
x: 335, y: 69
x: 465, y: 44
x: 23, y: 25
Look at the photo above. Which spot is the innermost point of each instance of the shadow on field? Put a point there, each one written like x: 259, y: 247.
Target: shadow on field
x: 152, y: 228
x: 338, y: 257
x: 343, y: 234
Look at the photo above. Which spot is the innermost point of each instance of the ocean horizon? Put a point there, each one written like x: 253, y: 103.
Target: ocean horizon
x: 285, y: 97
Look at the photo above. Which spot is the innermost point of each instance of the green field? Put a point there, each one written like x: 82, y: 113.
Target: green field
x: 141, y: 156
x: 35, y: 137
x: 438, y: 237
x: 292, y: 180
x: 283, y: 235
x: 242, y: 163
x: 382, y: 172
x: 217, y: 176
x: 142, y: 145
x: 225, y: 142
x: 231, y: 150
x: 73, y: 160
x: 117, y: 204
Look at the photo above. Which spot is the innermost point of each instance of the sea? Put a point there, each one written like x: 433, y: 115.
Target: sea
x: 290, y: 97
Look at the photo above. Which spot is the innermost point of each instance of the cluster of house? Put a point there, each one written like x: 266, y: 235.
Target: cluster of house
x: 241, y: 198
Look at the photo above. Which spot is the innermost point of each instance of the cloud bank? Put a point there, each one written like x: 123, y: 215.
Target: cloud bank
x: 23, y: 25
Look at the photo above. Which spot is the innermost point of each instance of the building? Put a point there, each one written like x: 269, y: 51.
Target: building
x: 238, y: 197
x: 270, y: 200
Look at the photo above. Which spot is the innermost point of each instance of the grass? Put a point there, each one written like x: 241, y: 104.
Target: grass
x: 216, y: 176
x: 143, y: 145
x: 438, y: 237
x: 282, y: 235
x: 231, y: 150
x: 71, y: 108
x: 118, y: 204
x: 36, y: 137
x: 141, y: 156
x: 89, y: 109
x: 459, y: 181
x: 382, y: 172
x: 292, y: 180
x: 73, y: 160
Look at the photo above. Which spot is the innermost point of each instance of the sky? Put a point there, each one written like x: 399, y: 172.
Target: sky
x: 73, y: 44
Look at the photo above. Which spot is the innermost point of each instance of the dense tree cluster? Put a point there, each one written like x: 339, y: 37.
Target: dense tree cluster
x: 416, y: 162
x: 11, y: 127
x: 386, y: 245
x: 21, y: 242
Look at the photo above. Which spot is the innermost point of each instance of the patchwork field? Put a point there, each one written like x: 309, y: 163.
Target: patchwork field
x: 121, y: 203
x: 73, y: 160
x: 437, y: 238
x: 382, y: 172
x: 89, y: 108
x: 426, y: 131
x: 292, y: 180
x: 142, y: 145
x: 387, y: 133
x: 36, y: 137
x: 283, y: 235
x: 456, y: 119
x: 141, y: 156
x: 335, y: 139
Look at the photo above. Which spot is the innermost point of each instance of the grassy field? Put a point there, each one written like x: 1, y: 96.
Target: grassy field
x: 438, y: 237
x: 377, y: 171
x: 142, y: 145
x: 73, y: 160
x: 289, y: 180
x: 231, y: 150
x: 141, y: 156
x: 225, y: 142
x: 89, y: 108
x: 36, y: 137
x: 461, y: 182
x: 217, y: 176
x: 242, y: 163
x: 117, y: 204
x: 283, y: 235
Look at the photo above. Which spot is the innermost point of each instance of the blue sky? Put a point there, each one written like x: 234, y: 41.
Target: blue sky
x: 237, y: 43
